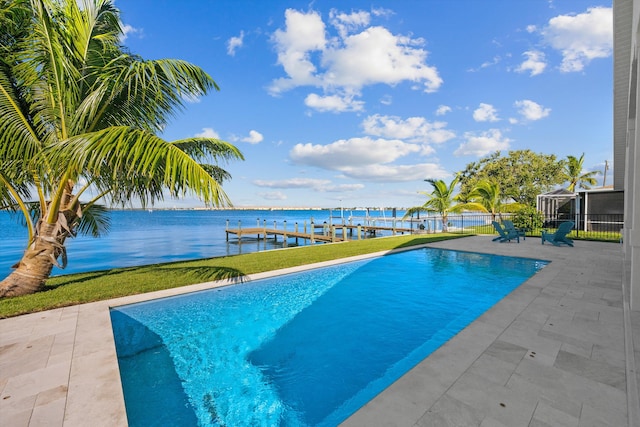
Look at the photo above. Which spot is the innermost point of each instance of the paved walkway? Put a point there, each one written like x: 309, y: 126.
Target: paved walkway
x: 552, y: 353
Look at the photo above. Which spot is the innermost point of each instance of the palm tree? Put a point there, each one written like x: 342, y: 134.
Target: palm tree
x: 79, y: 118
x: 488, y: 194
x: 573, y: 171
x: 443, y: 201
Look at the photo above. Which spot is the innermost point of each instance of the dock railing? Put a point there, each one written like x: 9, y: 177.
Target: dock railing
x: 605, y: 227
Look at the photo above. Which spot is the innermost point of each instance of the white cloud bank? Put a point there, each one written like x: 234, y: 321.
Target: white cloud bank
x: 581, y: 38
x: 392, y: 157
x: 483, y: 143
x: 320, y: 185
x: 357, y: 56
x: 413, y: 129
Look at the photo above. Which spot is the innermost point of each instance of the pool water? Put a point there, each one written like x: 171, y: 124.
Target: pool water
x: 305, y: 349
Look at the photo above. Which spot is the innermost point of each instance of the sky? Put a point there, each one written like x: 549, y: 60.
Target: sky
x: 356, y: 103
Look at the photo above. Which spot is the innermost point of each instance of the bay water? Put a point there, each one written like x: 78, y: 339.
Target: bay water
x: 142, y: 237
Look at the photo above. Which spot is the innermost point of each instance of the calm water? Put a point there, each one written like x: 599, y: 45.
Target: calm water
x: 141, y: 237
x: 306, y: 349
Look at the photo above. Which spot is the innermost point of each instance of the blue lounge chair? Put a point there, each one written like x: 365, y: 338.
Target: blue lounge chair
x: 560, y: 236
x: 504, y: 235
x: 509, y: 227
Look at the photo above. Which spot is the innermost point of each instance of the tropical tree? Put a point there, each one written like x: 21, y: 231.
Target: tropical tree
x: 443, y: 201
x: 573, y: 171
x: 488, y: 194
x: 79, y: 118
x: 522, y: 174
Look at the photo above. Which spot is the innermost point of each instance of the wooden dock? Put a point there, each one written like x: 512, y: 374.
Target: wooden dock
x: 329, y: 232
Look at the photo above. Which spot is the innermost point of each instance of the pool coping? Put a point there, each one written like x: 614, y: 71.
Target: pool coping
x: 60, y: 367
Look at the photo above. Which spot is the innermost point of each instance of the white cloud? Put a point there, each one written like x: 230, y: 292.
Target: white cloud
x: 396, y: 173
x: 348, y: 23
x: 482, y: 144
x: 377, y: 56
x: 341, y: 188
x: 351, y: 152
x: 129, y: 30
x: 382, y: 12
x: 485, y: 113
x: 320, y: 185
x: 303, y: 34
x: 273, y: 195
x: 333, y: 103
x: 254, y: 137
x: 442, y: 110
x: 208, y: 133
x: 581, y: 38
x: 535, y: 63
x: 348, y: 61
x: 234, y: 43
x: 413, y: 129
x: 293, y: 183
x: 530, y: 110
x: 367, y: 159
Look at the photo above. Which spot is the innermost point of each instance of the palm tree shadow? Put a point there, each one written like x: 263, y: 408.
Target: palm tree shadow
x: 207, y: 274
x: 194, y: 274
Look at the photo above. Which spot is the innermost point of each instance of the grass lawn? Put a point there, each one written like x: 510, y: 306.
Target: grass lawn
x: 96, y: 286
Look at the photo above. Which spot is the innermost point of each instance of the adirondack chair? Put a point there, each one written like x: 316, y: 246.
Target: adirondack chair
x: 560, y: 236
x: 509, y: 227
x: 504, y: 235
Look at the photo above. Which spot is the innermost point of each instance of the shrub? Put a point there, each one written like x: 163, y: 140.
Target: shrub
x: 529, y: 218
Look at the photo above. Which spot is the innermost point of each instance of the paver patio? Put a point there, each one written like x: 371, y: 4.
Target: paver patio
x: 557, y: 351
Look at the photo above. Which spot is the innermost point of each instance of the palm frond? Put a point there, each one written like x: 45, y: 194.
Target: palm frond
x: 138, y: 162
x: 18, y: 139
x: 208, y: 148
x: 95, y: 221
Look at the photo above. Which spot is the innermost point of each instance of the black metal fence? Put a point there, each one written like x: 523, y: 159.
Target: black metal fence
x: 605, y: 227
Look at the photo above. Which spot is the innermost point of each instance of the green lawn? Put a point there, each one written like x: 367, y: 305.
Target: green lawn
x: 96, y: 286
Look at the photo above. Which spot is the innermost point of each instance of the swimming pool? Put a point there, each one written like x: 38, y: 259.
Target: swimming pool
x: 303, y: 349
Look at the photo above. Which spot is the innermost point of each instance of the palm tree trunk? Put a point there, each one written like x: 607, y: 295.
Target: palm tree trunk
x: 36, y: 264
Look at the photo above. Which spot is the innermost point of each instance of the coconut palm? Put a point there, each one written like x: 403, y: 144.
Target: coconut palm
x: 573, y: 171
x: 79, y: 118
x: 488, y: 194
x: 441, y: 200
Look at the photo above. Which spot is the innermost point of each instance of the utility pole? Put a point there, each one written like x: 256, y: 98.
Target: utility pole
x: 606, y: 167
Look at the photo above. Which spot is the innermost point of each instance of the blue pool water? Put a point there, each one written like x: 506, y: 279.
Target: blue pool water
x: 305, y: 349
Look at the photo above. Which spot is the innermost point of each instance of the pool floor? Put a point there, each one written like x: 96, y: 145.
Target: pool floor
x: 303, y: 349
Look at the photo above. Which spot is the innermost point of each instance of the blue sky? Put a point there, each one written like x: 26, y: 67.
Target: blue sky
x: 356, y: 103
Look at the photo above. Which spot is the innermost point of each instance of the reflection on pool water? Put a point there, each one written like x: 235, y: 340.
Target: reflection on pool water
x: 305, y: 349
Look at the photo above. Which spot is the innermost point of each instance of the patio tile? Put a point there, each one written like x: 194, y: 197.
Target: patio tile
x: 551, y: 353
x: 594, y: 370
x: 450, y: 412
x: 547, y: 415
